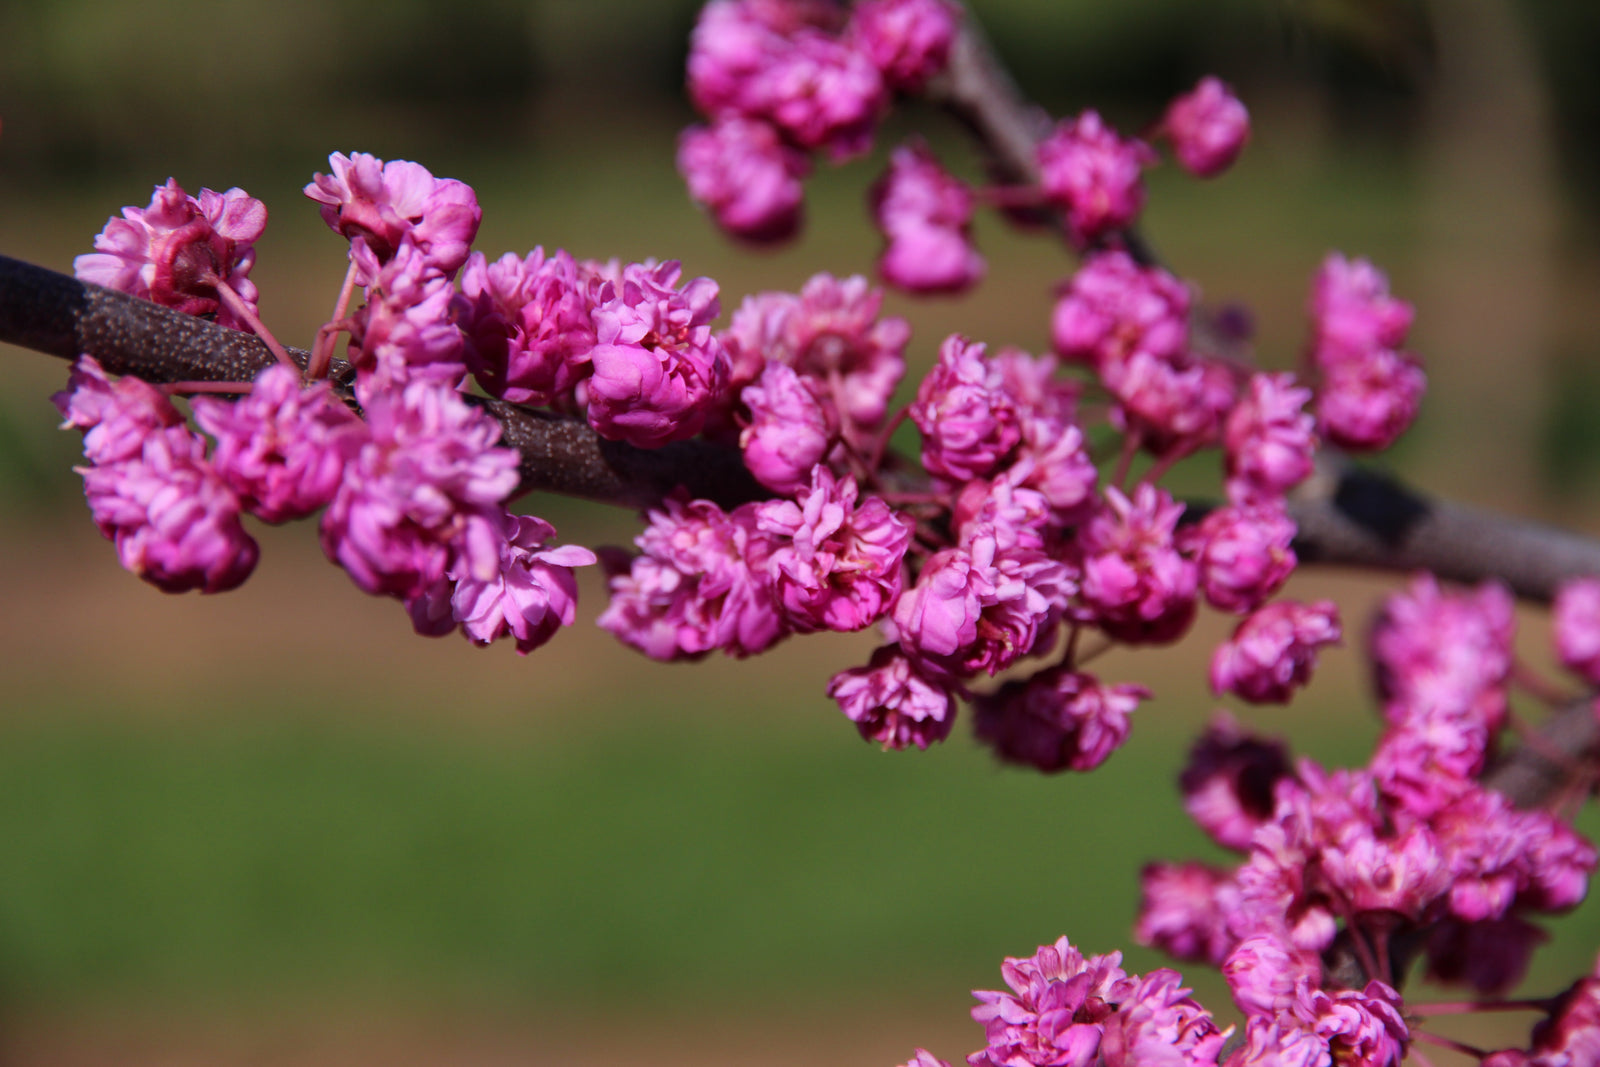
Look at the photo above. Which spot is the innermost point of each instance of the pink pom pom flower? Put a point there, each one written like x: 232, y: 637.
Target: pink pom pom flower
x: 926, y: 217
x: 1273, y: 651
x: 1093, y: 175
x: 1208, y: 128
x: 894, y: 702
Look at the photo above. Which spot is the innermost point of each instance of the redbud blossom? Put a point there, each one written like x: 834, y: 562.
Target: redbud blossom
x: 175, y: 251
x: 1244, y: 554
x: 1270, y: 439
x: 1365, y: 404
x: 1054, y: 460
x: 926, y: 217
x: 282, y: 448
x: 1490, y: 956
x: 1267, y: 976
x: 532, y: 593
x: 419, y: 496
x: 968, y: 423
x: 823, y: 92
x: 790, y: 431
x: 1183, y: 912
x: 734, y: 40
x: 1173, y: 405
x: 657, y: 369
x: 528, y: 325
x: 1093, y: 175
x: 1208, y: 128
x: 1442, y: 652
x: 1012, y: 515
x: 405, y: 330
x: 833, y: 565
x: 1571, y: 1035
x: 115, y: 416
x: 1230, y: 781
x: 376, y: 206
x: 894, y: 702
x: 746, y: 176
x: 1113, y: 308
x: 907, y: 40
x: 1136, y: 584
x: 1577, y: 623
x: 1272, y: 652
x: 1352, y: 313
x: 1057, y: 720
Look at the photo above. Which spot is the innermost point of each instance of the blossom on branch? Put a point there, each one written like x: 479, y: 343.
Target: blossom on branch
x: 1208, y: 128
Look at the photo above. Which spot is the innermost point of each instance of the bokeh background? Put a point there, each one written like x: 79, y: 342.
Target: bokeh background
x: 276, y: 828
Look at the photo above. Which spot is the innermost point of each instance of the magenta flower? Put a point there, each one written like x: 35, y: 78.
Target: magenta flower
x: 1272, y: 652
x: 1352, y: 313
x: 115, y: 416
x: 657, y: 369
x: 1136, y: 584
x: 1093, y: 175
x: 178, y: 250
x: 1159, y: 1022
x: 1365, y: 404
x: 1113, y: 308
x: 406, y: 329
x: 735, y: 40
x: 790, y: 431
x: 1183, y: 912
x: 926, y: 217
x: 894, y: 702
x: 822, y: 92
x: 1267, y: 976
x: 969, y: 424
x: 1056, y: 1011
x: 1032, y: 384
x: 419, y: 497
x: 1174, y: 405
x: 749, y: 179
x: 532, y: 593
x: 1363, y: 1028
x: 1444, y: 654
x: 1577, y: 624
x: 833, y: 565
x: 1053, y: 460
x: 376, y: 206
x: 281, y: 449
x: 1270, y: 439
x: 1244, y: 554
x: 699, y: 584
x: 1057, y: 720
x: 1015, y: 517
x: 1229, y: 784
x: 1208, y: 128
x: 907, y: 40
x: 528, y: 325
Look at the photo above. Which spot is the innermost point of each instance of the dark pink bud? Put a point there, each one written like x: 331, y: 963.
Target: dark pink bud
x: 791, y: 429
x: 1577, y: 622
x: 1273, y: 651
x: 1229, y: 784
x: 892, y: 701
x: 1366, y: 403
x: 1270, y: 439
x: 907, y: 40
x: 378, y: 205
x: 1093, y: 175
x: 532, y: 592
x: 969, y: 423
x: 1057, y: 720
x: 746, y: 176
x: 1136, y: 584
x: 1244, y: 554
x: 1113, y: 308
x: 528, y: 325
x: 926, y: 216
x: 1208, y: 127
x: 1352, y: 313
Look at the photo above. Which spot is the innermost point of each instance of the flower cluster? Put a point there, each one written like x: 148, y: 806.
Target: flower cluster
x: 1370, y: 387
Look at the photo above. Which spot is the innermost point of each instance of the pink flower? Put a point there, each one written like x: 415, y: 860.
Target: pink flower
x: 1272, y: 652
x: 1174, y: 405
x: 1571, y: 1035
x: 790, y: 430
x: 1577, y: 623
x: 376, y: 206
x: 907, y: 40
x: 700, y: 584
x: 1056, y: 1011
x: 532, y: 592
x: 1015, y: 517
x: 1352, y: 313
x: 420, y: 495
x: 1268, y: 976
x: 1053, y: 459
x: 734, y: 40
x: 833, y: 565
x: 179, y: 249
x: 1270, y: 439
x: 1183, y: 912
x: 282, y: 448
x: 1093, y: 175
x: 657, y: 369
x: 406, y: 329
x: 1362, y: 1029
x: 1244, y: 554
x: 1440, y: 653
x: 1208, y: 127
x: 528, y: 324
x: 1158, y: 1022
x: 1032, y: 384
x: 892, y: 701
x: 746, y: 176
x: 968, y: 423
x: 1136, y: 584
x: 822, y: 92
x: 1057, y: 720
x: 1366, y: 404
x: 1230, y: 781
x: 926, y: 216
x: 1113, y: 308
x: 115, y: 416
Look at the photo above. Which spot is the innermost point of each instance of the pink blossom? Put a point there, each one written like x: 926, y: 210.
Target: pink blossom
x: 1174, y: 405
x: 657, y: 369
x: 1183, y: 911
x: 1053, y: 459
x: 746, y: 176
x: 417, y: 498
x: 1577, y: 624
x: 1033, y: 386
x: 115, y: 416
x: 1270, y: 439
x: 822, y: 92
x: 734, y: 40
x: 924, y: 1058
x: 1424, y: 763
x: 1093, y: 175
x: 968, y: 423
x: 528, y: 325
x: 377, y: 206
x: 790, y: 429
x: 1571, y: 1035
x: 1113, y: 308
x: 1268, y: 976
x: 1352, y: 313
x: 1362, y: 1029
x: 894, y: 702
x: 1280, y: 1042
x: 281, y: 449
x: 406, y: 329
x: 833, y: 565
x: 174, y: 521
x: 926, y: 217
x: 699, y: 584
x: 907, y: 40
x: 1136, y: 584
x: 1439, y: 653
x: 1272, y: 651
x: 1244, y: 553
x: 1366, y: 403
x: 1490, y: 956
x: 1056, y: 1011
x: 179, y: 249
x: 1013, y: 516
x: 532, y: 592
x: 1230, y: 780
x: 1057, y: 720
x: 1208, y: 127
x: 1399, y: 874
x: 1157, y: 1022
